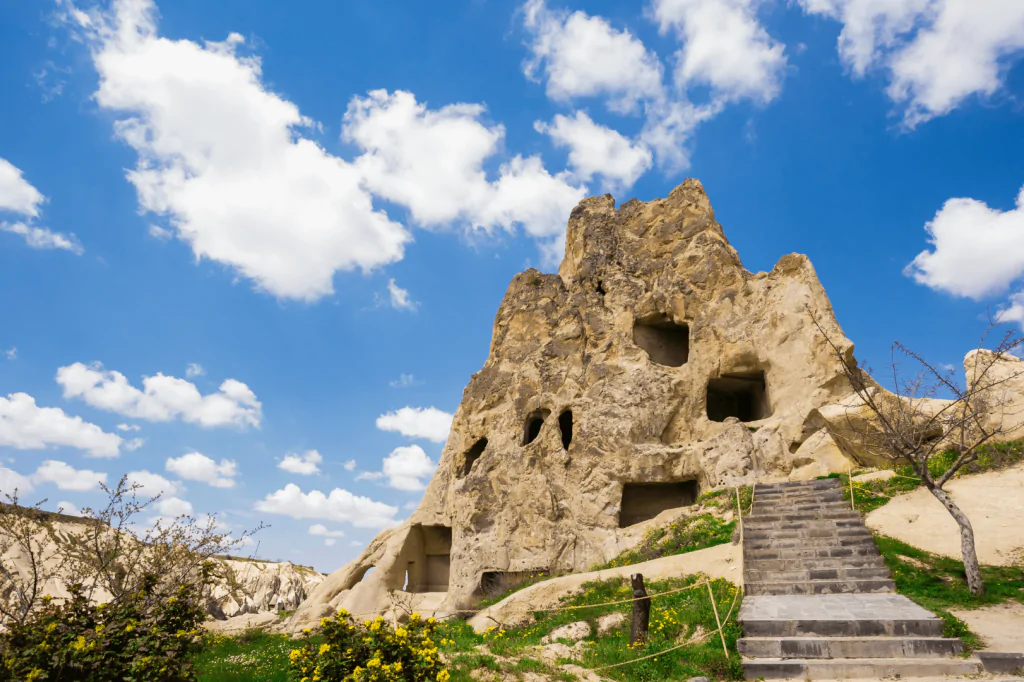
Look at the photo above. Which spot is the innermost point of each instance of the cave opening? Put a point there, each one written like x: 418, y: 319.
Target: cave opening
x: 428, y: 559
x: 644, y: 501
x: 744, y: 396
x: 534, y: 422
x: 665, y: 342
x: 471, y: 456
x: 565, y: 426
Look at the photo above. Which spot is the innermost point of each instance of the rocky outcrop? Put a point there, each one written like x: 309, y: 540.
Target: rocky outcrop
x: 652, y: 367
x: 263, y: 586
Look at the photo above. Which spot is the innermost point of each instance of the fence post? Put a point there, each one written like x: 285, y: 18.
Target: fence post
x: 718, y: 620
x: 641, y: 610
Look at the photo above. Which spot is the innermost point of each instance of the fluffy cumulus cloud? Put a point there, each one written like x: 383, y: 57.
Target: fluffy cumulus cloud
x: 306, y: 463
x: 11, y: 481
x: 330, y: 536
x: 431, y: 162
x: 723, y: 46
x: 66, y: 477
x: 150, y: 484
x: 417, y: 422
x: 399, y: 297
x: 937, y: 53
x: 194, y: 370
x: 597, y: 150
x: 27, y: 426
x: 339, y: 506
x: 19, y: 198
x: 976, y: 251
x: 223, y: 160
x: 406, y: 468
x: 196, y: 466
x: 162, y: 398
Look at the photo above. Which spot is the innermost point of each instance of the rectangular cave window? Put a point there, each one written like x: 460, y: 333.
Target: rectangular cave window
x: 743, y: 396
x: 644, y: 501
x: 430, y: 550
x: 665, y: 342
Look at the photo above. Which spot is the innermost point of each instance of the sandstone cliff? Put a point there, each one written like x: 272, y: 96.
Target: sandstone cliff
x: 652, y: 367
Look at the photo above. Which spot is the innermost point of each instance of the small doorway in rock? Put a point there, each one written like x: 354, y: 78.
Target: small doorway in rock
x: 534, y: 422
x: 565, y: 426
x: 644, y: 501
x: 744, y: 396
x: 471, y: 456
x: 666, y: 342
x: 431, y: 549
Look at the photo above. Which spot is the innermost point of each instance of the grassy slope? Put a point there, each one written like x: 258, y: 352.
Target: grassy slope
x: 253, y: 655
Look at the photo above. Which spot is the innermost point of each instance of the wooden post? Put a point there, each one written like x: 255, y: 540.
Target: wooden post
x: 641, y: 610
x: 718, y: 620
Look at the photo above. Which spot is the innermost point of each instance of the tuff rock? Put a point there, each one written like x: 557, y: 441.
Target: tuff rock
x: 651, y: 368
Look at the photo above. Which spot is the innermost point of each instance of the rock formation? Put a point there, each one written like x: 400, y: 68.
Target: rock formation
x: 263, y: 586
x: 651, y: 368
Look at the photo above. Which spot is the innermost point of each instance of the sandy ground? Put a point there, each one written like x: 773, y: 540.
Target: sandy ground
x: 722, y: 561
x: 1001, y: 625
x: 994, y: 502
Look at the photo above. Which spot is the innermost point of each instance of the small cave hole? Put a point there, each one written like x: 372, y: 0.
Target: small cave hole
x: 644, y: 501
x: 600, y: 288
x: 664, y: 341
x: 744, y: 396
x: 565, y: 426
x: 471, y: 456
x: 493, y: 583
x: 533, y: 424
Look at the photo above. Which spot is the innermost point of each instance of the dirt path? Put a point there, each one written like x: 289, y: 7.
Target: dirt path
x: 1001, y: 625
x: 994, y: 502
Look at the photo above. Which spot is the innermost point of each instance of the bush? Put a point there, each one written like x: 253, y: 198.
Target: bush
x: 373, y: 651
x: 137, y: 639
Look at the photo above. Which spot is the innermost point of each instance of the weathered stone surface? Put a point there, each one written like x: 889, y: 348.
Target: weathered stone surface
x: 609, y: 622
x: 264, y: 586
x: 653, y: 334
x: 570, y: 631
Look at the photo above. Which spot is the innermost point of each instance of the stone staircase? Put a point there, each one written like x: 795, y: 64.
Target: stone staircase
x: 820, y: 601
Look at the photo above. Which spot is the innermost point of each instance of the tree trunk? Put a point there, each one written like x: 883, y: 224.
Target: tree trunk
x: 970, y: 555
x: 641, y: 610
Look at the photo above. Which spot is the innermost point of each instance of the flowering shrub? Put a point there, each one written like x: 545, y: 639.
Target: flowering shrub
x: 136, y: 639
x: 373, y: 651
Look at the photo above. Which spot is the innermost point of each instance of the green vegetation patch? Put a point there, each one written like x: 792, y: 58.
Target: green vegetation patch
x: 939, y: 583
x: 682, y: 618
x: 253, y: 655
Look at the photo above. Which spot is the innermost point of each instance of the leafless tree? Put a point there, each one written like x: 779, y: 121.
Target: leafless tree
x: 29, y: 558
x: 930, y: 412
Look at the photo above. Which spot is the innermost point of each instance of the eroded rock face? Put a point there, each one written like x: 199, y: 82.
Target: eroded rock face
x: 653, y: 366
x: 263, y: 586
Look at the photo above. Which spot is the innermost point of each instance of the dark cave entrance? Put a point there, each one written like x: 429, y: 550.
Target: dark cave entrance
x: 744, y: 396
x: 644, y: 501
x: 665, y: 342
x: 429, y: 552
x: 471, y: 456
x: 534, y: 422
x: 565, y: 426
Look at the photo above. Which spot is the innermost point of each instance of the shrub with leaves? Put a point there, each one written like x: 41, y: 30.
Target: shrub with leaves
x: 135, y: 639
x: 373, y: 651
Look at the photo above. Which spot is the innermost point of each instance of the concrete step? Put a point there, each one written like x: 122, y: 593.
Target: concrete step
x: 848, y: 647
x: 861, y: 668
x: 837, y: 615
x: 804, y: 516
x: 784, y: 533
x: 851, y: 586
x: 785, y: 543
x: 749, y: 524
x: 796, y: 485
x: 799, y: 508
x: 811, y: 564
x: 754, y: 554
x: 831, y: 493
x: 752, y: 575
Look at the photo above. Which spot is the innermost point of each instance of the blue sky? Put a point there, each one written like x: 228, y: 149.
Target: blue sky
x: 252, y: 253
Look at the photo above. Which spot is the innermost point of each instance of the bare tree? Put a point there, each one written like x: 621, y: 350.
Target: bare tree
x: 930, y: 412
x: 29, y: 557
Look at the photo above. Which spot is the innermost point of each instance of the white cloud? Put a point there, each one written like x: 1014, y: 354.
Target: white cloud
x: 163, y: 398
x: 350, y: 465
x: 417, y: 422
x: 11, y: 480
x: 68, y: 508
x: 26, y: 426
x: 169, y: 507
x: 66, y: 477
x: 152, y: 484
x: 305, y: 463
x: 196, y: 466
x: 937, y: 52
x: 128, y: 427
x: 134, y: 444
x: 12, y: 353
x: 404, y: 381
x: 1014, y: 312
x: 597, y: 150
x: 399, y: 297
x: 406, y: 468
x: 584, y: 56
x: 19, y: 197
x: 724, y: 46
x: 193, y: 370
x: 322, y: 530
x: 160, y: 233
x: 976, y: 251
x: 222, y: 159
x: 340, y: 506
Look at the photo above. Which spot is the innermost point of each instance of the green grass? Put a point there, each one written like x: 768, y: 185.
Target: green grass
x: 253, y: 655
x: 674, y: 618
x: 939, y: 584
